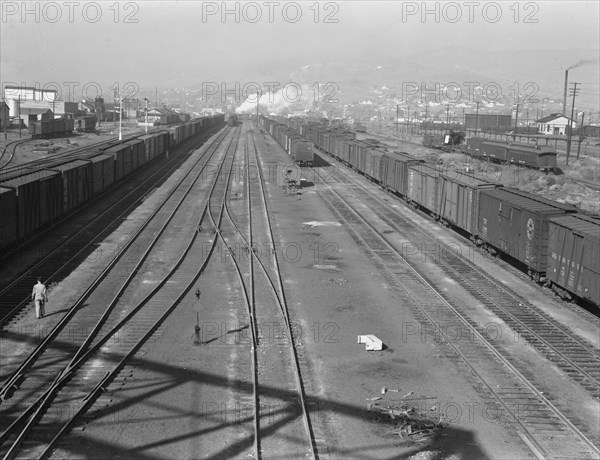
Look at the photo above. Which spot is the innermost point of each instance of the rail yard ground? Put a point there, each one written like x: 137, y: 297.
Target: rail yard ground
x: 433, y: 392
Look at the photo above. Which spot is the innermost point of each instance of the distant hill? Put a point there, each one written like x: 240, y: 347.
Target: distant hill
x: 447, y: 64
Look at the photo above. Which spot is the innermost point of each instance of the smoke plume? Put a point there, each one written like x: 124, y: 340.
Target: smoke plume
x: 582, y: 63
x: 275, y: 103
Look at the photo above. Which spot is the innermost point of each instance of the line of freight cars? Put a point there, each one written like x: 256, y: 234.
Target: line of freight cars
x: 529, y: 156
x: 554, y: 243
x: 35, y: 199
x: 295, y: 145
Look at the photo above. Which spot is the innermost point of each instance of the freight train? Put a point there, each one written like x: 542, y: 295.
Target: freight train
x: 52, y: 127
x: 553, y: 242
x: 536, y: 157
x: 35, y: 199
x: 297, y: 147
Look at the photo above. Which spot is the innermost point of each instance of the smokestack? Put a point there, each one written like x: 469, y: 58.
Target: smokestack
x: 564, y: 110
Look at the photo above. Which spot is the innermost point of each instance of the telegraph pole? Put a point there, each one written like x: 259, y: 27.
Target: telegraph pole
x: 476, y: 118
x: 20, y: 121
x: 146, y: 123
x: 397, y: 113
x: 120, y: 115
x: 574, y: 92
x: 447, y: 114
x: 516, y: 122
x: 581, y: 136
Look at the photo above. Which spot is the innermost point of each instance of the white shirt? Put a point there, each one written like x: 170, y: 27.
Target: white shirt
x: 39, y: 291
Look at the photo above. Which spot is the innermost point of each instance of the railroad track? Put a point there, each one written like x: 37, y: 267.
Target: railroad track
x: 274, y: 374
x: 60, y: 260
x: 539, y: 423
x: 75, y: 370
x: 6, y: 152
x: 574, y: 355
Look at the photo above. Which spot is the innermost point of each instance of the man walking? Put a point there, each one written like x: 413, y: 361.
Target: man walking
x: 41, y: 297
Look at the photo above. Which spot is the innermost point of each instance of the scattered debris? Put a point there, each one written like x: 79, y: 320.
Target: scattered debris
x: 371, y: 342
x: 410, y: 422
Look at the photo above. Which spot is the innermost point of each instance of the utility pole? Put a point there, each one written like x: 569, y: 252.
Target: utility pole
x: 447, y: 115
x: 516, y: 122
x: 20, y: 121
x: 397, y: 113
x: 146, y: 122
x: 581, y: 135
x: 574, y: 92
x: 476, y: 117
x: 156, y: 97
x: 120, y: 115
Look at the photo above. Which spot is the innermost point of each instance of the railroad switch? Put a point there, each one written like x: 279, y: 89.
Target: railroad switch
x: 197, y: 340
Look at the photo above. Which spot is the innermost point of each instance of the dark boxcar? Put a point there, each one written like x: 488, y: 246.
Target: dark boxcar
x: 516, y: 223
x: 39, y: 200
x: 103, y: 172
x: 138, y: 153
x: 547, y: 160
x: 474, y: 147
x: 302, y: 151
x: 122, y: 155
x: 574, y: 256
x: 522, y: 155
x: 77, y: 182
x: 422, y: 186
x: 458, y: 199
x: 8, y: 211
x: 149, y: 146
x: 494, y: 150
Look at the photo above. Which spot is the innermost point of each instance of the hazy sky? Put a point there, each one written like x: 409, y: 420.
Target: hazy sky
x: 187, y: 41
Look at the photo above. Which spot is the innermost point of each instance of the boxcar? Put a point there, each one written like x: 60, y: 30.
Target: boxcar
x: 77, y: 182
x: 516, y: 223
x: 458, y: 200
x: 138, y: 153
x: 494, y: 150
x: 103, y: 172
x: 122, y: 156
x: 39, y: 200
x: 574, y: 256
x: 531, y: 157
x: 474, y: 147
x: 393, y: 170
x: 422, y: 187
x: 8, y: 211
x: 302, y: 151
x: 372, y: 164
